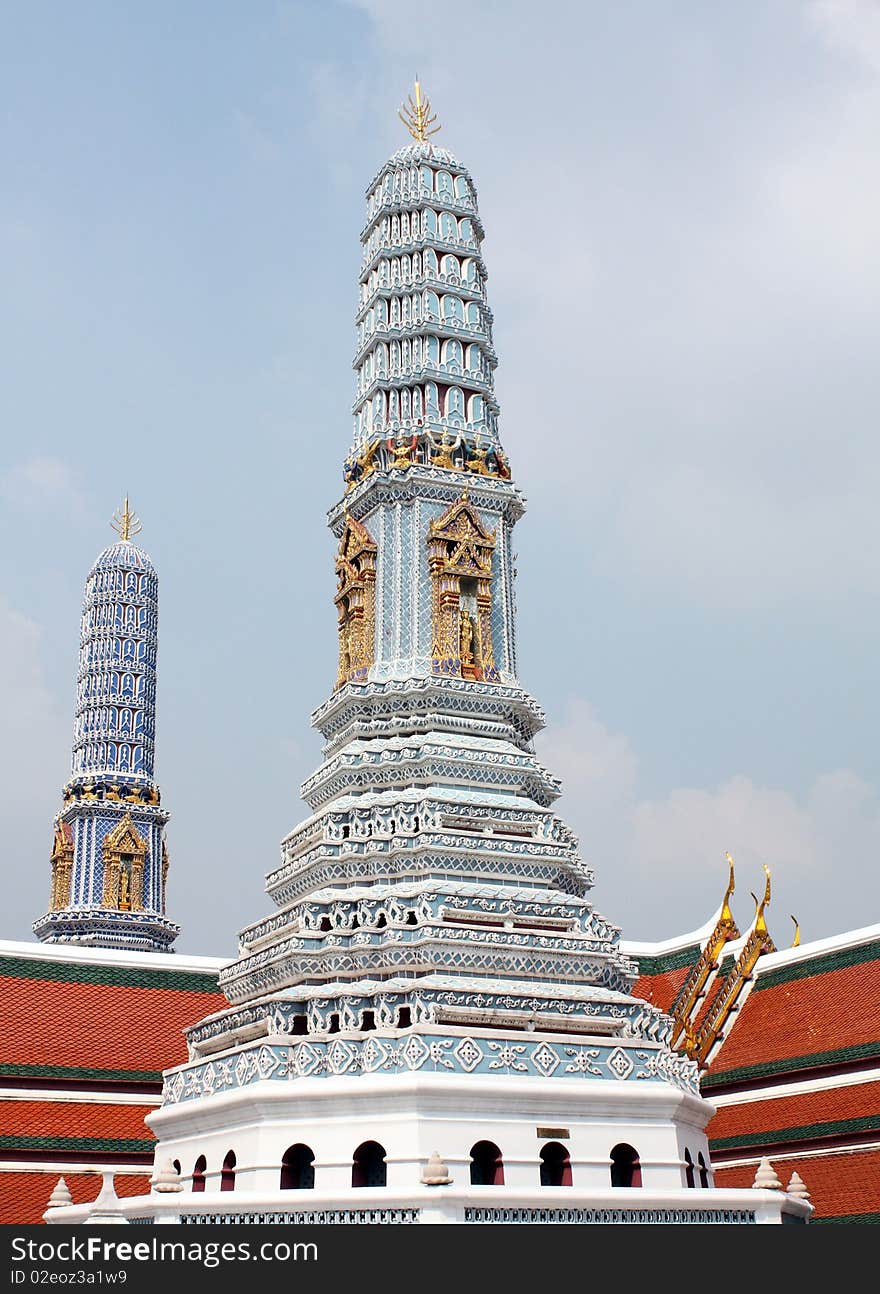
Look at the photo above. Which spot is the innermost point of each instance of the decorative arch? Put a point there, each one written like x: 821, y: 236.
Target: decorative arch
x: 298, y: 1168
x: 198, y: 1177
x: 356, y: 601
x: 487, y: 1164
x: 626, y: 1169
x: 460, y: 563
x: 555, y: 1165
x: 368, y: 1166
x: 125, y: 854
x: 227, y: 1173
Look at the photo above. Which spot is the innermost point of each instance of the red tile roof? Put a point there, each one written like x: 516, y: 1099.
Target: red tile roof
x: 661, y: 989
x: 832, y: 1112
x: 793, y: 1022
x: 69, y: 1020
x: 842, y: 1185
x: 24, y: 1196
x: 52, y: 1121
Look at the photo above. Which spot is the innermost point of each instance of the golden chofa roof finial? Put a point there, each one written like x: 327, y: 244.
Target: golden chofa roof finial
x: 760, y: 921
x: 417, y: 116
x: 125, y: 523
x: 726, y: 914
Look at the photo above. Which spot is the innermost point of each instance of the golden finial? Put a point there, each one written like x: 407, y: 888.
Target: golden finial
x: 726, y: 914
x: 760, y: 923
x: 416, y: 115
x: 125, y: 523
x: 797, y: 932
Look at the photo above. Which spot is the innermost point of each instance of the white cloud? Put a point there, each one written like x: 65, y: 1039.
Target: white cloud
x: 44, y: 481
x: 659, y: 861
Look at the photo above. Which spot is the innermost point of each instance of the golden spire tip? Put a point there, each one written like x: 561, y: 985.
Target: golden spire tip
x: 125, y: 522
x: 417, y: 116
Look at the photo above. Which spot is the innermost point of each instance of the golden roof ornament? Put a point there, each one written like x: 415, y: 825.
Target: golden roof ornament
x: 797, y: 932
x: 760, y: 920
x: 417, y: 116
x: 125, y: 523
x: 726, y: 914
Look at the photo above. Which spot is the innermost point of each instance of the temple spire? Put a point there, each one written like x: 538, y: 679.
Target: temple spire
x: 417, y: 116
x: 125, y: 522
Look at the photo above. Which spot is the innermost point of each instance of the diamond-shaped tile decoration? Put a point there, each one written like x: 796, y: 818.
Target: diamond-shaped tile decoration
x: 339, y: 1057
x: 372, y: 1055
x: 415, y: 1053
x: 469, y: 1054
x: 267, y: 1061
x: 173, y: 1089
x: 544, y: 1059
x: 619, y: 1063
x: 209, y: 1077
x: 307, y: 1060
x: 243, y: 1068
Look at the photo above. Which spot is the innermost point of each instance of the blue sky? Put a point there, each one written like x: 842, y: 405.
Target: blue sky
x: 681, y: 206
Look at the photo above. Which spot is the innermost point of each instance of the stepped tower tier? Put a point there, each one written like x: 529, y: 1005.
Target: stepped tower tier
x: 109, y: 858
x: 433, y: 976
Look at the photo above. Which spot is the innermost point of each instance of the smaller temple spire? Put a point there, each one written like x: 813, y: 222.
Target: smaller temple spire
x: 125, y: 522
x: 417, y: 116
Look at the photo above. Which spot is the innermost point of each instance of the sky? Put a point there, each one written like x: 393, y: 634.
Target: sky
x: 681, y: 205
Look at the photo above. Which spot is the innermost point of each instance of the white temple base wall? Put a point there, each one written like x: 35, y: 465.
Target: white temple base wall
x: 447, y: 1204
x: 414, y: 1115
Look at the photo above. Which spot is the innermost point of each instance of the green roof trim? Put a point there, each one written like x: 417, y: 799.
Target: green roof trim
x: 666, y: 962
x: 819, y: 965
x: 73, y: 1073
x: 109, y: 976
x: 801, y: 1132
x: 789, y: 1064
x: 81, y: 1145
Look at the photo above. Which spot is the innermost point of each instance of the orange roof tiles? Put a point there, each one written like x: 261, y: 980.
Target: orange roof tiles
x: 47, y: 1023
x: 837, y: 1010
x: 661, y: 989
x: 857, y: 1104
x: 71, y: 1119
x: 845, y: 1184
x: 24, y: 1196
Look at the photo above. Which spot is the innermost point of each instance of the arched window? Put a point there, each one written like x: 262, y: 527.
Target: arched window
x: 432, y: 305
x: 448, y: 227
x: 477, y: 413
x: 175, y: 1163
x: 227, y: 1175
x: 473, y: 315
x: 368, y: 1166
x: 449, y: 265
x: 688, y: 1169
x: 555, y: 1165
x: 430, y: 221
x: 453, y: 352
x: 455, y: 404
x: 432, y: 350
x: 625, y: 1167
x: 432, y: 403
x: 297, y: 1169
x: 198, y: 1178
x: 427, y: 177
x: 487, y: 1165
x: 704, y: 1172
x: 466, y: 231
x: 453, y: 310
x: 461, y: 187
x: 444, y: 184
x: 429, y: 261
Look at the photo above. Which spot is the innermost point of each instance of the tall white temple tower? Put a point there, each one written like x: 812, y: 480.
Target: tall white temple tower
x: 433, y: 1023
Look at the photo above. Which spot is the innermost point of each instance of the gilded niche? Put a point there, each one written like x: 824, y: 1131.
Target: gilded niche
x: 460, y: 552
x: 356, y: 601
x: 62, y: 866
x: 125, y: 852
